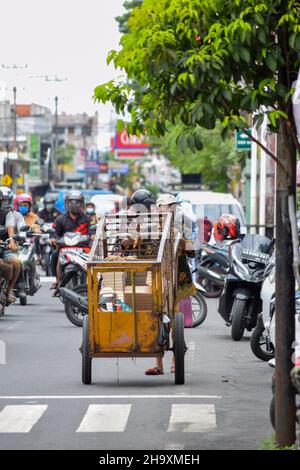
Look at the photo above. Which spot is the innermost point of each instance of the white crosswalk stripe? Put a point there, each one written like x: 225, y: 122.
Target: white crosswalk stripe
x: 192, y: 418
x: 20, y: 418
x: 100, y: 418
x: 105, y: 418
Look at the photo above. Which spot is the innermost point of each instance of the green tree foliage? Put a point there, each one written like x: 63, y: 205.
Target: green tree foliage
x: 123, y: 20
x: 65, y: 154
x: 213, y: 161
x: 201, y: 61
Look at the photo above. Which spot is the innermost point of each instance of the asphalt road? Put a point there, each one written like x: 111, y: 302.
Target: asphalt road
x: 44, y: 405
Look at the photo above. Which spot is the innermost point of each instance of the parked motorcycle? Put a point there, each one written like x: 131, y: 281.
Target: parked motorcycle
x: 212, y: 269
x: 240, y: 303
x: 261, y: 344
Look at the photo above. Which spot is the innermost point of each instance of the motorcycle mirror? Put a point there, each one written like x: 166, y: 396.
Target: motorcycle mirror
x: 271, y: 246
x: 18, y: 238
x: 25, y: 228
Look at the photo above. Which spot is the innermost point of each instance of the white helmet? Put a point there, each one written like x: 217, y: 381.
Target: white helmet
x: 166, y: 200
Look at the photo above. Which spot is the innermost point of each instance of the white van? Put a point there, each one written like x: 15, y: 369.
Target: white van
x: 211, y: 205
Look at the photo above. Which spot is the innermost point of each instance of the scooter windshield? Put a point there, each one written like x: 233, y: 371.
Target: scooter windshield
x: 254, y: 244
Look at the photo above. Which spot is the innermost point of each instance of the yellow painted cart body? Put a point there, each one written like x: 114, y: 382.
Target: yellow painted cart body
x: 132, y: 273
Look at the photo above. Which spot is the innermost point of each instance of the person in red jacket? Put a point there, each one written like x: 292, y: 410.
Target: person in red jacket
x: 75, y: 220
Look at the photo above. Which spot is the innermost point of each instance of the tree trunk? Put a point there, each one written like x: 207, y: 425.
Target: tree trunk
x: 285, y: 297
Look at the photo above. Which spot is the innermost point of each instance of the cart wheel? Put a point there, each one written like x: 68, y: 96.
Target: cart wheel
x: 179, y: 348
x: 86, y: 359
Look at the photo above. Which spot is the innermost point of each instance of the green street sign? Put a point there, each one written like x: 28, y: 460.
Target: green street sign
x: 242, y: 141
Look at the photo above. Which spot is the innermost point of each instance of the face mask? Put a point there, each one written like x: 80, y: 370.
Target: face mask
x: 49, y: 207
x: 23, y: 210
x: 90, y: 211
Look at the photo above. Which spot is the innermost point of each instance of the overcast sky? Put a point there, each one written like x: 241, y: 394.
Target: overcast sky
x: 67, y: 38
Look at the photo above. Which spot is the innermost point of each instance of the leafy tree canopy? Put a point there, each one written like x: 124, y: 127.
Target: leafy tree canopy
x: 213, y: 161
x: 201, y: 61
x: 65, y: 154
x: 123, y: 20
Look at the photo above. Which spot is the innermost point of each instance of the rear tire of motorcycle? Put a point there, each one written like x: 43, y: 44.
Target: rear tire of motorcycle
x: 2, y: 308
x: 179, y: 348
x: 48, y: 270
x: 81, y: 290
x: 86, y: 358
x: 23, y: 299
x: 202, y: 303
x: 238, y: 310
x: 256, y: 347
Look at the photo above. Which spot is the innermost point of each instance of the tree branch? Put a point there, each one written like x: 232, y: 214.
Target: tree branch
x: 265, y: 149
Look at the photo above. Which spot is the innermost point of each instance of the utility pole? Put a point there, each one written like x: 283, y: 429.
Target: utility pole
x: 15, y: 118
x: 54, y: 161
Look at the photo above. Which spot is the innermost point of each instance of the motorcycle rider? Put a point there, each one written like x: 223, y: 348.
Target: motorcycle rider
x: 90, y: 209
x: 10, y: 266
x: 23, y: 203
x: 8, y: 206
x: 49, y: 213
x: 75, y: 220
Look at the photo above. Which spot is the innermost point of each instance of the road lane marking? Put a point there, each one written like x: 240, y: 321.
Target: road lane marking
x: 192, y: 418
x: 20, y: 418
x: 15, y: 325
x: 191, y: 352
x: 105, y: 418
x: 70, y: 397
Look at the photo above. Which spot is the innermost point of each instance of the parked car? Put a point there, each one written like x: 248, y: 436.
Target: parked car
x: 212, y: 205
x: 107, y: 203
x: 200, y: 204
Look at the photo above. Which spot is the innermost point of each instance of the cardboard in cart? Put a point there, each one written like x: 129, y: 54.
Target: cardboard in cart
x: 143, y: 297
x: 141, y: 279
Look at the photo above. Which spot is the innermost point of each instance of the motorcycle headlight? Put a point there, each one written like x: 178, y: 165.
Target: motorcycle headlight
x: 72, y: 241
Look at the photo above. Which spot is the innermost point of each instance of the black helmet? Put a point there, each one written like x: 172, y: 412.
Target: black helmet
x: 142, y: 197
x: 74, y: 202
x: 49, y: 201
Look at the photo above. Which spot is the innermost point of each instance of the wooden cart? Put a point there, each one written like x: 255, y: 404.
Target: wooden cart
x: 129, y: 291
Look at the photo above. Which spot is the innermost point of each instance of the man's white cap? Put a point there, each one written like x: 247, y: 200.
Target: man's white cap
x: 166, y: 200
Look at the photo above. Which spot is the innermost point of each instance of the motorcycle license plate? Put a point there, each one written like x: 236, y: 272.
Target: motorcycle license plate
x: 71, y: 250
x: 255, y: 256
